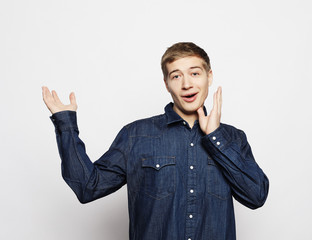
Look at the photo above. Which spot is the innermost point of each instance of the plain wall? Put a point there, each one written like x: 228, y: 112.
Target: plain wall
x: 108, y: 53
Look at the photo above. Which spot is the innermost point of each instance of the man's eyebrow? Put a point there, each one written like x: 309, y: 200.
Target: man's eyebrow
x: 176, y: 70
x: 196, y: 67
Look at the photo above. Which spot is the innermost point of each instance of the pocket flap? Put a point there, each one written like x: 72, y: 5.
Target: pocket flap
x: 158, y: 162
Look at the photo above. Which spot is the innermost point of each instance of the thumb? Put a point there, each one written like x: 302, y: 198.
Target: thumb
x: 202, y: 119
x: 72, y: 99
x: 201, y: 113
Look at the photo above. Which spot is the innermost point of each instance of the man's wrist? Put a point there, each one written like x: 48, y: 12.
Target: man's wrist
x: 64, y: 120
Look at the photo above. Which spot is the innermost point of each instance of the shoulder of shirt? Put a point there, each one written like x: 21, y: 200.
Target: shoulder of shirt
x: 229, y: 127
x: 231, y: 130
x: 156, y: 122
x: 147, y: 120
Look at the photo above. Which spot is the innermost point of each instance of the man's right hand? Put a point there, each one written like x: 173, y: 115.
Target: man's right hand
x: 54, y: 104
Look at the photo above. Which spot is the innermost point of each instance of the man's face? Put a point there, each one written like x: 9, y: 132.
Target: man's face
x: 188, y: 84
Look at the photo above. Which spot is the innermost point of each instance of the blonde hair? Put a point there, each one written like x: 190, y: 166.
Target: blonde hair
x: 181, y: 50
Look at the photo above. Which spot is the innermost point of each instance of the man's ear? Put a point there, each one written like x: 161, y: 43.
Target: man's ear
x: 210, y: 78
x: 166, y: 83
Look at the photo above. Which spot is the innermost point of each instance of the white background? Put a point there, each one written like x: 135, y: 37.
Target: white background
x: 108, y: 53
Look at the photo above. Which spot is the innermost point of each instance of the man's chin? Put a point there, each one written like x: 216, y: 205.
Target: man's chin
x: 190, y: 111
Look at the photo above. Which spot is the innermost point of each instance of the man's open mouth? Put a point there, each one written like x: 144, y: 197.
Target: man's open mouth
x: 190, y: 96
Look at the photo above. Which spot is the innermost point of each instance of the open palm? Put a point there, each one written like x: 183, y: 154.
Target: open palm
x: 211, y: 122
x: 54, y: 104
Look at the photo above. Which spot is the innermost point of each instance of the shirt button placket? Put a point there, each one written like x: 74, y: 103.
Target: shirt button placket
x: 191, y: 191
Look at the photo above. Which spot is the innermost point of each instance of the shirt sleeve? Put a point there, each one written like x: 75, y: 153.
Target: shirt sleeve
x: 89, y: 180
x: 229, y: 148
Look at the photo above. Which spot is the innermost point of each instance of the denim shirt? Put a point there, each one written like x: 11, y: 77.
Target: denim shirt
x: 180, y: 182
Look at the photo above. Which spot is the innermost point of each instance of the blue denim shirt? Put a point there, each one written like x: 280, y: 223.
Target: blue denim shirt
x: 180, y: 182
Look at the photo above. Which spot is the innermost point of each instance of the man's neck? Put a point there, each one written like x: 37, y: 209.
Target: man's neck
x: 189, y: 118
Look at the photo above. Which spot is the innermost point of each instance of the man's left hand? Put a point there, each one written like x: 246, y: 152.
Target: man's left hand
x: 211, y: 122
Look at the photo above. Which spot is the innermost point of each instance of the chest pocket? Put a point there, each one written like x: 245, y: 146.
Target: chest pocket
x: 217, y: 185
x: 159, y: 176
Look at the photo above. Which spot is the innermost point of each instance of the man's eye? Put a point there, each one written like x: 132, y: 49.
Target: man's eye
x: 195, y: 74
x: 175, y: 77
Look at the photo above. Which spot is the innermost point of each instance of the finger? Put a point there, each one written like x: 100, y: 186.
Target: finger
x: 72, y: 99
x: 201, y: 113
x: 55, y: 97
x: 215, y: 102
x: 220, y: 105
x: 45, y: 91
x: 219, y: 99
x: 202, y: 119
x: 47, y: 97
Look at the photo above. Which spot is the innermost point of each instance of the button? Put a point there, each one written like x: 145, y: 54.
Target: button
x: 190, y: 216
x: 189, y: 239
x: 218, y: 143
x: 214, y: 138
x: 184, y: 123
x: 192, y: 144
x: 191, y: 167
x: 191, y: 191
x: 157, y: 165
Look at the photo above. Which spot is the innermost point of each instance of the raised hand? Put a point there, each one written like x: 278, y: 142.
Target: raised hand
x: 54, y: 104
x: 211, y: 122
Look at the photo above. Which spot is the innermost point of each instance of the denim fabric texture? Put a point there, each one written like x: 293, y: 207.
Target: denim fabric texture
x: 180, y: 182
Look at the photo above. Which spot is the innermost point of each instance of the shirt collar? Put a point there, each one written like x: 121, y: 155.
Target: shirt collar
x: 172, y: 116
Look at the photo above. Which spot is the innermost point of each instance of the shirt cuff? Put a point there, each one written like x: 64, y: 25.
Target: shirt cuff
x: 64, y: 120
x: 217, y: 141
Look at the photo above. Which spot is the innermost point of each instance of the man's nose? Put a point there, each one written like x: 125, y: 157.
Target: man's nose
x: 186, y: 83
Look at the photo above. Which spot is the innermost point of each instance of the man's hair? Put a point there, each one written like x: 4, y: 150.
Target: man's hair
x: 181, y: 50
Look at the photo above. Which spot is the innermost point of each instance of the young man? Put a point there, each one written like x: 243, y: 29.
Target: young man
x: 181, y: 168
